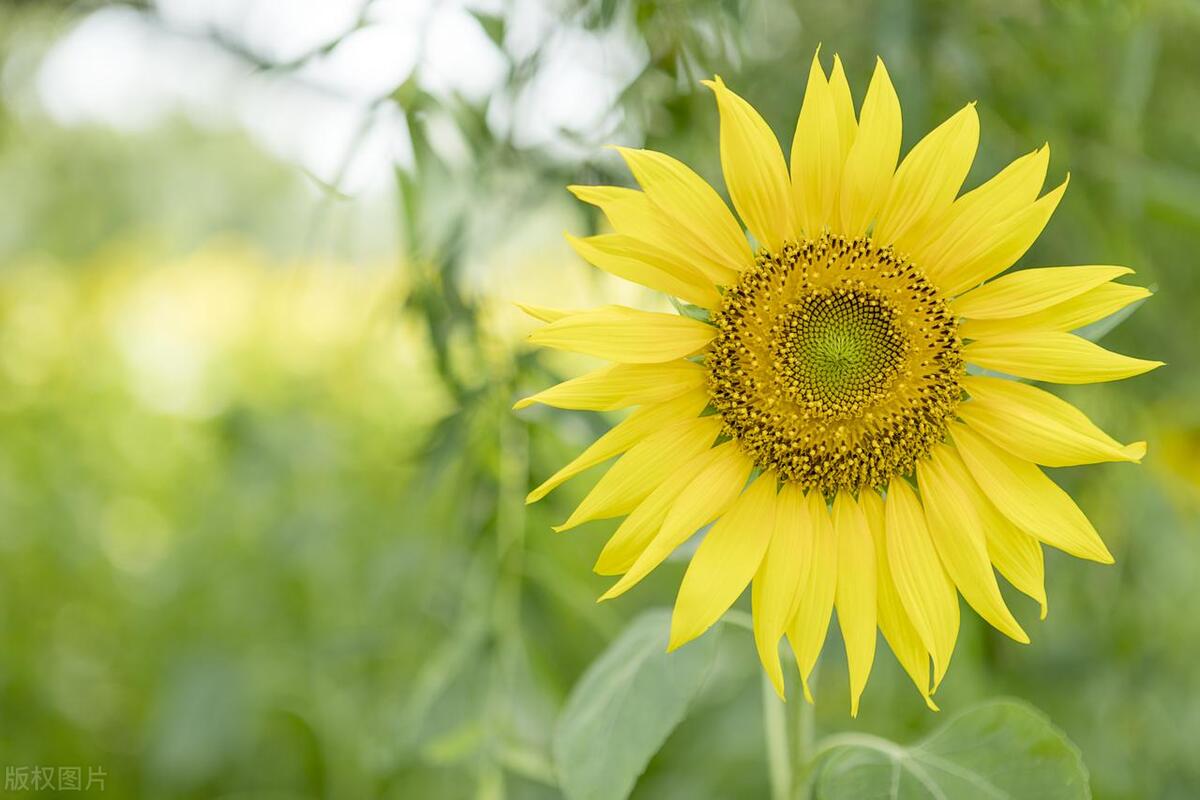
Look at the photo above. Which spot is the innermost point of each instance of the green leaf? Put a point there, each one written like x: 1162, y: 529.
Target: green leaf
x: 689, y: 310
x: 1000, y: 750
x: 493, y: 26
x: 1100, y: 328
x: 625, y: 706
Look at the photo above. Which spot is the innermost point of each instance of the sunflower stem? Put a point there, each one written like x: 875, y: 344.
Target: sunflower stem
x: 779, y: 766
x: 804, y: 752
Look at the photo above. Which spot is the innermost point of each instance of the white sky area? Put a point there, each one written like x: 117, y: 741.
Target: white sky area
x: 120, y: 69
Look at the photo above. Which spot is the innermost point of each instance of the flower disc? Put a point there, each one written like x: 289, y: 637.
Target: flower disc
x: 837, y: 364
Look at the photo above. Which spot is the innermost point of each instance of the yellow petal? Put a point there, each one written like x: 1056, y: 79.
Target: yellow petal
x: 1053, y: 356
x: 1027, y: 497
x: 1015, y: 553
x: 543, y: 313
x: 627, y: 335
x: 704, y: 499
x: 641, y: 470
x: 726, y: 560
x: 816, y: 155
x: 1037, y: 426
x: 894, y: 623
x: 691, y: 203
x: 871, y: 160
x: 806, y: 632
x: 642, y: 263
x: 621, y: 385
x: 755, y: 172
x: 627, y: 210
x: 957, y: 532
x: 642, y: 423
x: 843, y: 106
x: 1031, y: 290
x: 998, y: 248
x: 924, y: 588
x: 631, y: 214
x: 1069, y: 315
x: 951, y: 236
x: 855, y: 597
x: 929, y: 177
x: 638, y: 529
x: 775, y: 592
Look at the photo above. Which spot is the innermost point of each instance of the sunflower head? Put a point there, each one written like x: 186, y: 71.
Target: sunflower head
x: 819, y: 412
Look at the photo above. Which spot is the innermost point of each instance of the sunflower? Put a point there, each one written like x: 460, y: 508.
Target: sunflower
x: 841, y: 396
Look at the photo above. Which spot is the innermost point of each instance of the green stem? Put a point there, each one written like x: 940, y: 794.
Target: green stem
x: 804, y: 754
x: 779, y: 766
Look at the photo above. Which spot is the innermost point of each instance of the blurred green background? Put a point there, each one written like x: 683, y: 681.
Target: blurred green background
x: 262, y: 530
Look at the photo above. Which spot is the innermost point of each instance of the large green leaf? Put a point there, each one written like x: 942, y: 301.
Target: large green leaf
x: 1000, y: 750
x: 625, y: 706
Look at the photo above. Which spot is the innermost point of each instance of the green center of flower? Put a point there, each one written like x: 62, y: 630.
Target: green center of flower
x: 838, y: 350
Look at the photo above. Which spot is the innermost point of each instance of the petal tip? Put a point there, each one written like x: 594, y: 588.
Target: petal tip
x: 1135, y: 452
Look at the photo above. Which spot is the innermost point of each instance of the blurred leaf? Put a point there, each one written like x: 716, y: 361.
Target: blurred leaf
x: 1102, y: 327
x: 625, y: 706
x: 1000, y: 749
x: 493, y: 26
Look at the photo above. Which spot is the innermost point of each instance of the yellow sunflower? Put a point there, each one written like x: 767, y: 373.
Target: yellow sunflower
x: 814, y: 402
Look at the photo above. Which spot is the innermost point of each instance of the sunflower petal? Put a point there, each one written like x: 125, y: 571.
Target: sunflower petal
x: 958, y: 535
x: 639, y: 529
x: 641, y: 263
x: 691, y: 203
x: 1054, y: 357
x: 1069, y: 315
x: 1027, y: 497
x: 755, y: 172
x: 924, y: 588
x: 871, y: 160
x: 1031, y: 290
x: 725, y: 562
x: 775, y: 592
x: 978, y: 211
x: 806, y: 632
x: 894, y: 623
x: 1016, y: 554
x: 998, y: 248
x: 929, y: 177
x: 631, y: 214
x: 639, y: 425
x: 544, y: 313
x: 707, y: 497
x: 621, y: 385
x: 855, y: 597
x: 627, y: 335
x: 816, y: 155
x: 1037, y: 426
x: 647, y: 464
x: 843, y: 105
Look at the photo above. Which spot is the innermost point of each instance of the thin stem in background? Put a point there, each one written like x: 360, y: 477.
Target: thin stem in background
x: 779, y: 765
x: 804, y: 752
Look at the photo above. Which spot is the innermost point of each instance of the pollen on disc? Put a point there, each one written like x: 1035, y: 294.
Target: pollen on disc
x: 837, y: 363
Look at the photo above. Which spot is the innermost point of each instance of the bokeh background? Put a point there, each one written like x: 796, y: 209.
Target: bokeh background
x: 262, y: 530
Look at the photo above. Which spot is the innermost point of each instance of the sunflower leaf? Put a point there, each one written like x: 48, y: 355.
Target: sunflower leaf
x: 1093, y: 332
x: 997, y: 750
x: 625, y: 706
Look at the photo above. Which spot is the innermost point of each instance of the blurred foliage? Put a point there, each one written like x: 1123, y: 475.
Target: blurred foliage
x: 263, y: 522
